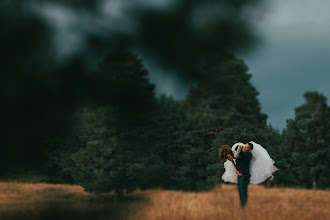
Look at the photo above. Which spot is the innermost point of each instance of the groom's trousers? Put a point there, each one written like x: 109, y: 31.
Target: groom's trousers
x: 243, y: 182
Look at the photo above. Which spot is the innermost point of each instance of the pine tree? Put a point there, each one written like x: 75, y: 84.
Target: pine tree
x: 305, y: 141
x: 114, y: 131
x: 121, y: 81
x: 224, y: 89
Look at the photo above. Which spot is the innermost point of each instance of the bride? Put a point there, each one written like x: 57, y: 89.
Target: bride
x: 261, y: 165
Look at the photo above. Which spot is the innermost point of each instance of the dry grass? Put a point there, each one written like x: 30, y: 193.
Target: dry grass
x: 46, y: 201
x: 52, y: 201
x: 223, y: 203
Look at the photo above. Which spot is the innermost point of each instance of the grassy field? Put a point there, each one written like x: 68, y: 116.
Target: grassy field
x: 49, y: 201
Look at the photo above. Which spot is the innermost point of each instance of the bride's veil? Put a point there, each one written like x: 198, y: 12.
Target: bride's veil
x: 262, y: 165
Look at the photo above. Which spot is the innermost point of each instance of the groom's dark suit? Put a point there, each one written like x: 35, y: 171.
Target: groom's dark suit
x: 243, y: 166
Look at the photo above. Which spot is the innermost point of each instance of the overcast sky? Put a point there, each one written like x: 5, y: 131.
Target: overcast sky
x: 293, y: 57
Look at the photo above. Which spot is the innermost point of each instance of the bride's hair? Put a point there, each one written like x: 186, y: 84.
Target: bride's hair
x: 223, y: 151
x: 251, y: 145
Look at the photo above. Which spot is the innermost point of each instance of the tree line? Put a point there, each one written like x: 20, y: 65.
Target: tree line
x: 130, y: 139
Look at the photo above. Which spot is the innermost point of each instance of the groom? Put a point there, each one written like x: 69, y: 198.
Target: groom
x: 243, y: 157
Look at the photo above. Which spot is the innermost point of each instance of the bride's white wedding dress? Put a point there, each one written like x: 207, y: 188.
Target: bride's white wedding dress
x: 261, y: 166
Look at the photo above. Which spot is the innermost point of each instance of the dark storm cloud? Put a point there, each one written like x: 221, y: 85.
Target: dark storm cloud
x: 178, y: 34
x: 193, y: 30
x: 172, y: 37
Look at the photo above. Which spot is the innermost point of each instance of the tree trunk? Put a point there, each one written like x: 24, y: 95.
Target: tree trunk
x: 119, y: 194
x: 314, y: 182
x: 268, y: 183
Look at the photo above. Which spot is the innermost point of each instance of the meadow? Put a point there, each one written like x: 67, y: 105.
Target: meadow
x: 50, y: 201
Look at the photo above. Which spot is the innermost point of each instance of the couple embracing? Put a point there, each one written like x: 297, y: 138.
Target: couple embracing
x: 244, y: 164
